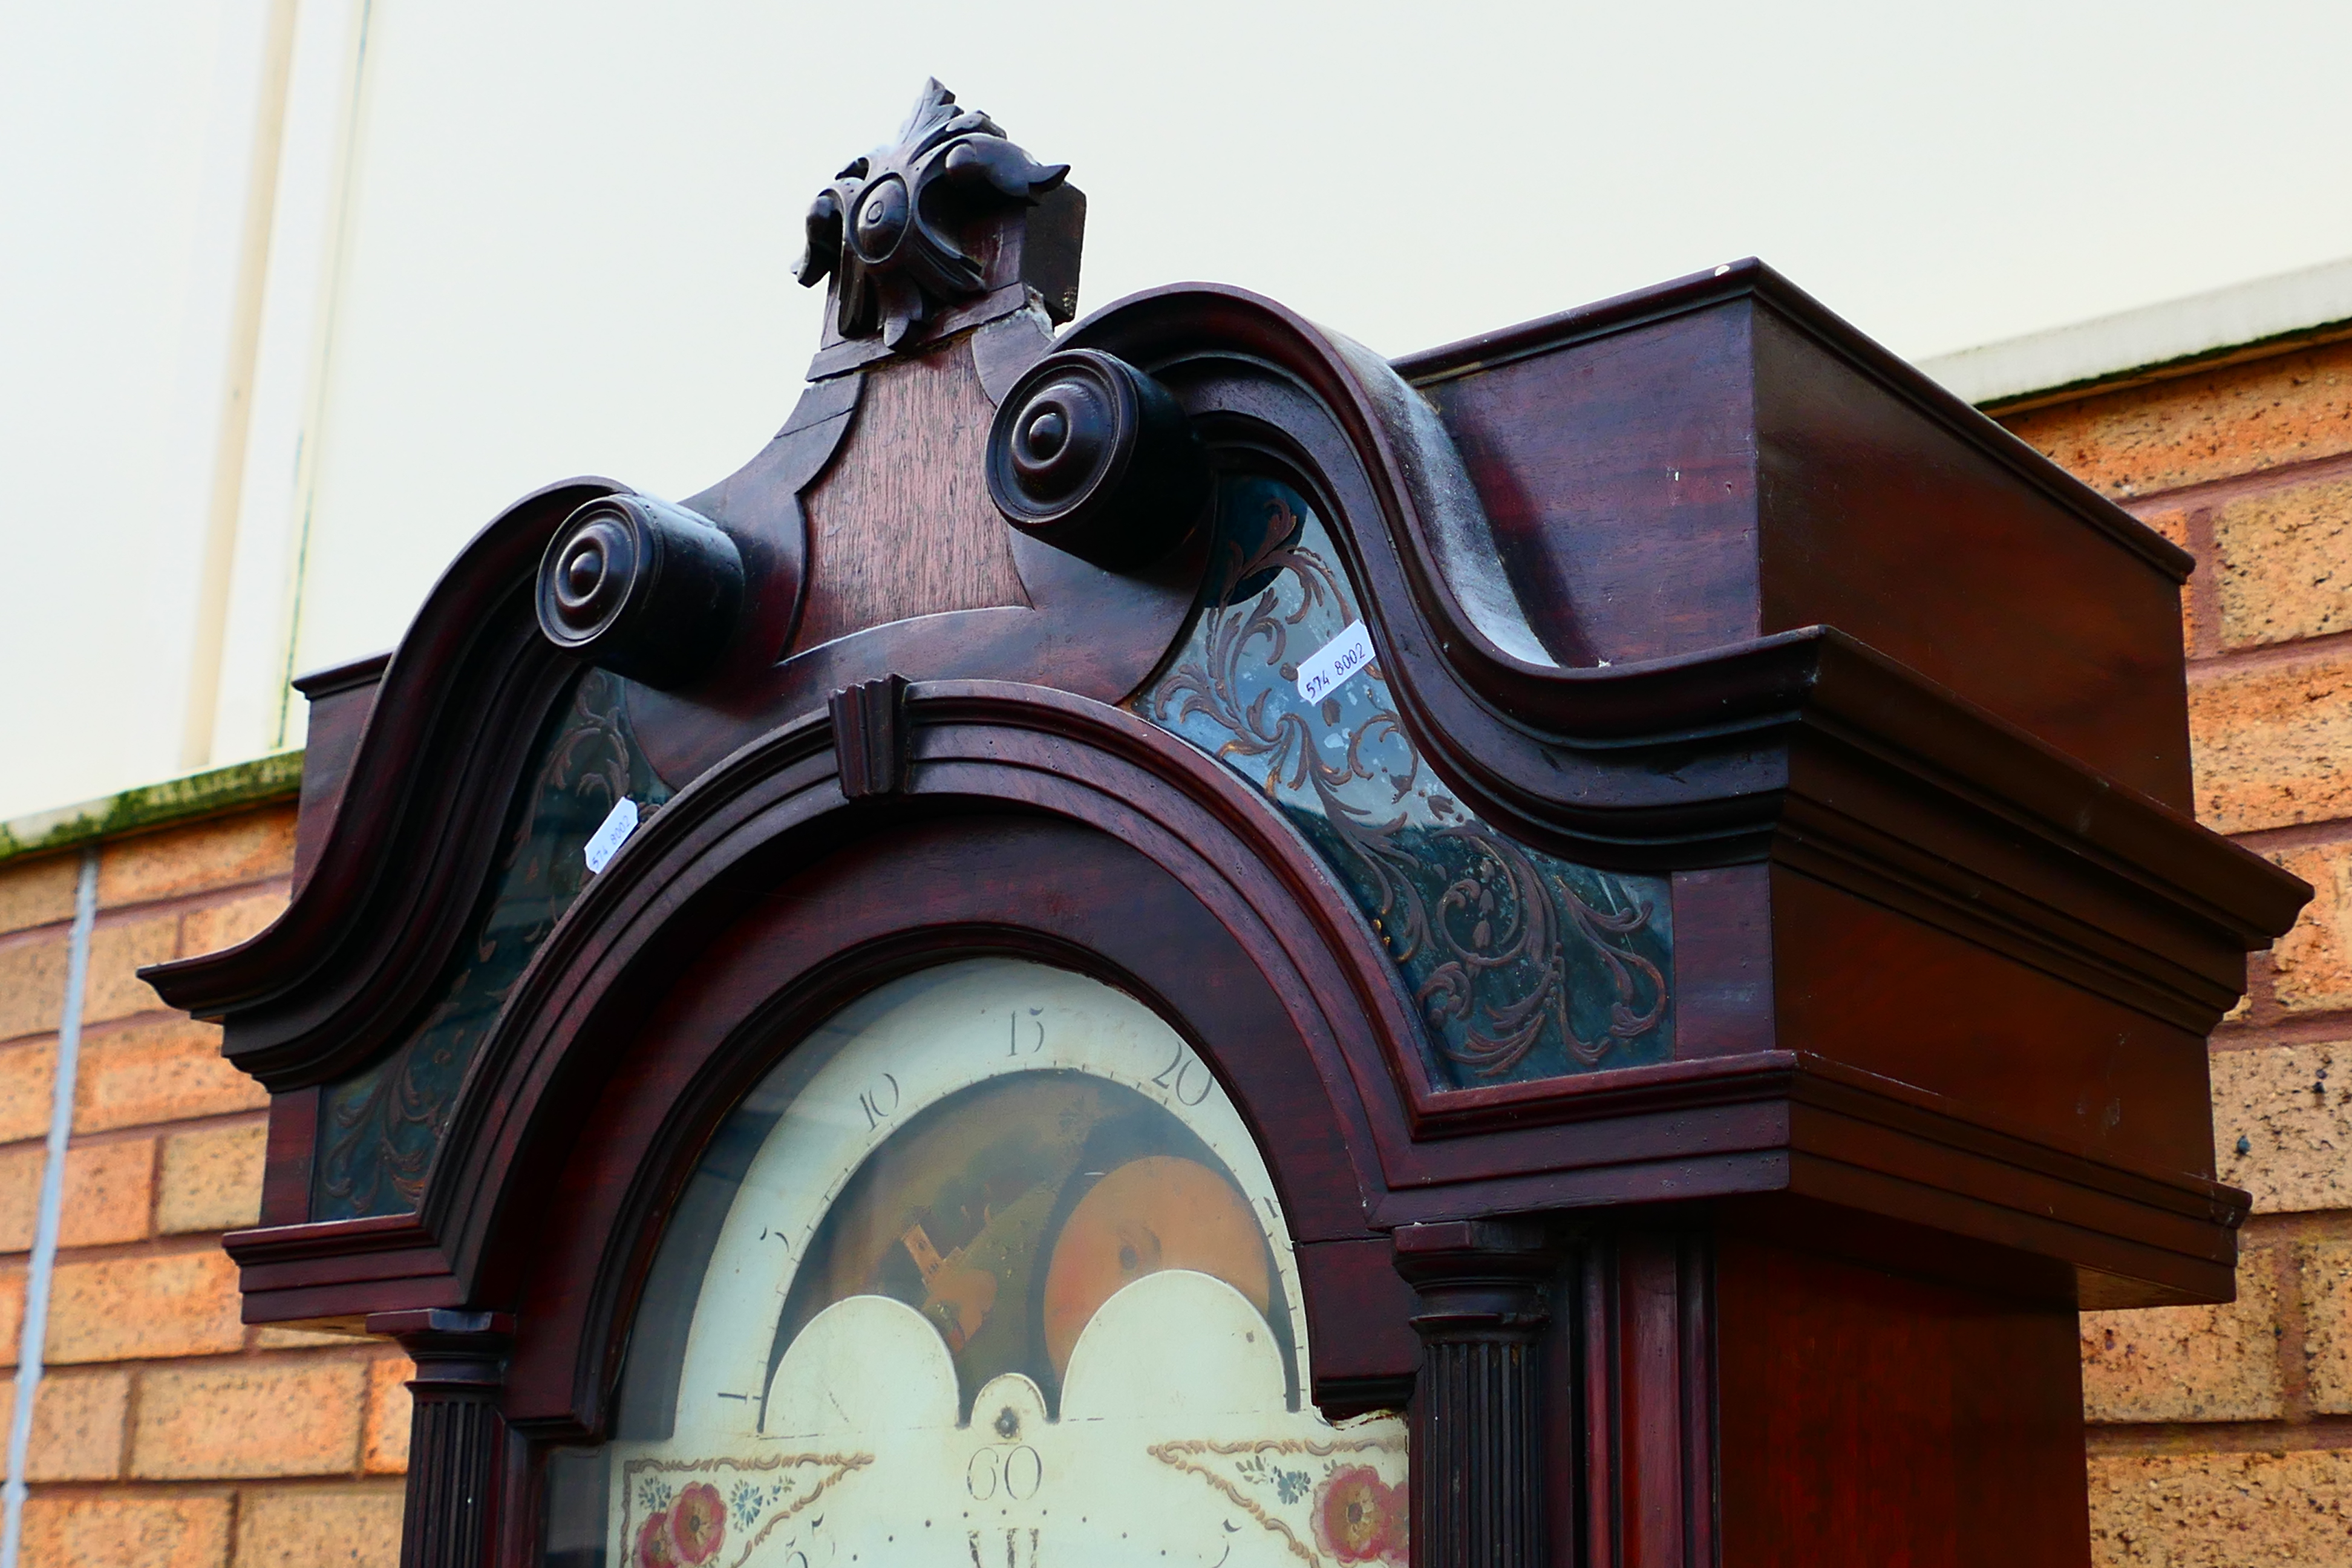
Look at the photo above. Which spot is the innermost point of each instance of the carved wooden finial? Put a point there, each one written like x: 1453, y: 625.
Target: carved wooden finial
x: 915, y: 227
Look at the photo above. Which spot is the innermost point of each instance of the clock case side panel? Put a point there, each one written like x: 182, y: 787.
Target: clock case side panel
x: 1738, y: 1395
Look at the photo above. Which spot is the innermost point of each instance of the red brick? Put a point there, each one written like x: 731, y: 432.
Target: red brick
x: 110, y: 1192
x: 2311, y: 966
x: 2267, y: 742
x: 2289, y: 408
x: 124, y: 1309
x: 38, y: 891
x: 320, y: 1527
x: 220, y: 853
x: 2220, y: 1510
x: 286, y: 1417
x: 2285, y: 563
x: 78, y: 1427
x: 2289, y: 1108
x: 32, y: 984
x: 20, y: 1194
x: 161, y: 1071
x: 108, y: 1189
x: 29, y: 1076
x: 12, y: 1316
x: 218, y: 926
x: 126, y: 1532
x: 2189, y: 1363
x: 385, y: 1450
x: 2324, y: 1272
x: 117, y: 952
x: 212, y: 1179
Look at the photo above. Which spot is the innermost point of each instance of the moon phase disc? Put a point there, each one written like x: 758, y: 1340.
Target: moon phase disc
x: 1158, y: 1212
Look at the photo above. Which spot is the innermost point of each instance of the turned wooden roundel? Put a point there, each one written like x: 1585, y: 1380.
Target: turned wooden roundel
x: 1092, y: 455
x: 641, y: 587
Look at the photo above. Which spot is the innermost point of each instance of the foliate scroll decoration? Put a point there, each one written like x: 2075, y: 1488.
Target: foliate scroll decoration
x: 379, y: 1128
x: 1523, y: 966
x: 894, y: 226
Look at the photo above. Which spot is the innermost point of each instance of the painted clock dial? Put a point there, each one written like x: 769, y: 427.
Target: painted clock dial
x: 989, y: 1273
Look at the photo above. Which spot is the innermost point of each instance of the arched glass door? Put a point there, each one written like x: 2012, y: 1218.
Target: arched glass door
x: 988, y: 1271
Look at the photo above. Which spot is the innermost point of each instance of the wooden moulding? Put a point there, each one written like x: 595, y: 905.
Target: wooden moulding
x: 341, y: 697
x: 1719, y: 459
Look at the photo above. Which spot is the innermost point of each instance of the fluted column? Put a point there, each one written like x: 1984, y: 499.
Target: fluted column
x: 1478, y: 1405
x: 457, y: 1435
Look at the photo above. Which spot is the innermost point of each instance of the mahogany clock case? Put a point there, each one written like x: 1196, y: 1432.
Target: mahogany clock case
x: 1718, y: 982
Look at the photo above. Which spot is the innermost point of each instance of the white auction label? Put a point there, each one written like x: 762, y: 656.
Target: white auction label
x: 1327, y: 668
x: 619, y: 823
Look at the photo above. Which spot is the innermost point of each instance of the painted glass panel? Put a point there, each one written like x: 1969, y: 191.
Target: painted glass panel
x: 1523, y: 966
x: 988, y: 1271
x: 378, y: 1129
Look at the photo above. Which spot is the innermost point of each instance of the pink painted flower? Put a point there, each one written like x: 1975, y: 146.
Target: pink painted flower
x: 653, y: 1544
x: 1359, y: 1518
x: 698, y: 1523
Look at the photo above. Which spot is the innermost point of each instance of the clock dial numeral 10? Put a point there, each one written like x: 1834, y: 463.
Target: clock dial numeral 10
x: 879, y: 1101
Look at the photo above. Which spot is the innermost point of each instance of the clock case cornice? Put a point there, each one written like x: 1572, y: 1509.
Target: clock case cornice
x: 1748, y: 769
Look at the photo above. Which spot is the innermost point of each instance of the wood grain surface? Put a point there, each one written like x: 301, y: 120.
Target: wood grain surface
x: 900, y: 525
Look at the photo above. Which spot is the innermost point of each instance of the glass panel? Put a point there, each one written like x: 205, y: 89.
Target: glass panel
x: 378, y: 1128
x: 989, y: 1271
x: 1525, y: 965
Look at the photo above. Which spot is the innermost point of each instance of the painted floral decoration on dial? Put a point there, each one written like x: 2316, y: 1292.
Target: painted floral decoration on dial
x: 690, y: 1529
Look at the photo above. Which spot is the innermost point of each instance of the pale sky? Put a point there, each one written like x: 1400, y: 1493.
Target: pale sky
x: 550, y: 236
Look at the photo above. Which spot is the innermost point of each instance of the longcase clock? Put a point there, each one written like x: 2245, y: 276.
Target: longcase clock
x: 1156, y: 940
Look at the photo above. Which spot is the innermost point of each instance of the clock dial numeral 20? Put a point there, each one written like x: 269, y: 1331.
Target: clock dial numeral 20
x: 1184, y: 1070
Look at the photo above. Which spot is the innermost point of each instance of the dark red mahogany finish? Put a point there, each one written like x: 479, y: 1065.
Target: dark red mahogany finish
x: 1696, y: 582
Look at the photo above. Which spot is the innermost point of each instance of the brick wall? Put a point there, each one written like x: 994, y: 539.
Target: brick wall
x: 2223, y: 1435
x: 166, y: 1433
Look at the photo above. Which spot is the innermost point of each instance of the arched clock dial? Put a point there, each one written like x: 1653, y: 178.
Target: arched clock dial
x: 1004, y: 1283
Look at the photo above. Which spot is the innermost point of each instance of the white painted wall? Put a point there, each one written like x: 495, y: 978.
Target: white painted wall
x: 510, y: 240
x: 126, y: 140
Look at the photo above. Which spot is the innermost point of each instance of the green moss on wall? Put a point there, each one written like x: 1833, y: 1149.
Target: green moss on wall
x: 273, y: 777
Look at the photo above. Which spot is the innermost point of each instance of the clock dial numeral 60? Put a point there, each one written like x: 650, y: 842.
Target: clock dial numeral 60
x: 1017, y: 1472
